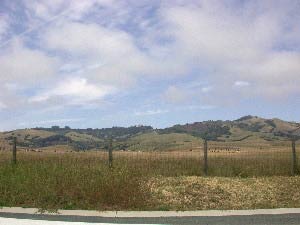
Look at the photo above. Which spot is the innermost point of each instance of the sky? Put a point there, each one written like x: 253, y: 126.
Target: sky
x: 104, y: 63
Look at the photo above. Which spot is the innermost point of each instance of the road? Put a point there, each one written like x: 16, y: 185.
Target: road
x: 39, y: 219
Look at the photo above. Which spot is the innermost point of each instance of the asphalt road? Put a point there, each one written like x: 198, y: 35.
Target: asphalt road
x: 284, y: 219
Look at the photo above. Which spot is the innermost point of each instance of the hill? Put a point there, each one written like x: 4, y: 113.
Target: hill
x: 145, y: 138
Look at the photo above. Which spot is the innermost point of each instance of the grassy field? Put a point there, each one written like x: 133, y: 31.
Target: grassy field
x: 157, y: 142
x: 68, y: 181
x: 150, y: 180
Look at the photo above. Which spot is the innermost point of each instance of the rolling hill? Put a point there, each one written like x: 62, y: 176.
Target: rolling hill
x: 245, y: 129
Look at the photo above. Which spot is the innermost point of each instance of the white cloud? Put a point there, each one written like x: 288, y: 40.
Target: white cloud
x: 4, y: 25
x: 44, y: 9
x: 241, y: 84
x: 51, y: 122
x: 2, y: 106
x: 113, y: 51
x: 206, y: 89
x: 151, y: 112
x: 23, y: 65
x: 22, y: 69
x: 239, y: 44
x: 202, y: 34
x: 88, y: 40
x: 8, y: 97
x: 174, y: 95
x: 116, y: 53
x: 201, y: 107
x: 121, y: 44
x: 75, y: 91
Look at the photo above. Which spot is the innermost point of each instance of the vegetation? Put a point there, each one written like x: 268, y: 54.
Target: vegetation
x: 210, y: 130
x: 199, y: 193
x: 249, y: 166
x: 69, y: 182
x: 148, y: 181
x: 115, y: 132
x: 145, y: 138
x: 155, y: 141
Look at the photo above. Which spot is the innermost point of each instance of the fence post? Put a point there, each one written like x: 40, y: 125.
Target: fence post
x: 14, y: 159
x: 110, y: 153
x: 294, y: 158
x: 205, y: 168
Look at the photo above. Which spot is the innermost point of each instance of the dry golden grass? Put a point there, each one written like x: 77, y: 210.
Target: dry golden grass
x: 147, y: 180
x: 198, y: 193
x: 225, y: 161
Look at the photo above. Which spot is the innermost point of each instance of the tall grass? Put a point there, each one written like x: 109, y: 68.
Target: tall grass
x: 84, y: 180
x: 68, y: 182
x: 245, y: 164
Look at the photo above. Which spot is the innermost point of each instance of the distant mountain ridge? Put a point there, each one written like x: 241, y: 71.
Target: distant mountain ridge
x: 146, y: 137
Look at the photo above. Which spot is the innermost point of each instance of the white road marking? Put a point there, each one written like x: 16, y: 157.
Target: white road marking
x: 10, y: 221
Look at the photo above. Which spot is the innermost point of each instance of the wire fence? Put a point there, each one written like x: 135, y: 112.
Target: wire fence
x: 223, y: 159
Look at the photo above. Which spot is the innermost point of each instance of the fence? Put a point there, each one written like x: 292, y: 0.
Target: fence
x: 210, y: 158
x: 219, y: 159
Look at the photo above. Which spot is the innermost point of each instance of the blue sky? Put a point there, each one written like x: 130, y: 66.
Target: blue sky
x: 103, y: 63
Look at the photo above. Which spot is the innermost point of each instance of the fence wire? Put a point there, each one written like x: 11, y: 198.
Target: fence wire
x: 224, y: 159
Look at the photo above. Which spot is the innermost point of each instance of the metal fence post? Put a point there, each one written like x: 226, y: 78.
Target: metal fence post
x: 110, y: 153
x: 205, y: 168
x: 294, y: 158
x: 14, y: 150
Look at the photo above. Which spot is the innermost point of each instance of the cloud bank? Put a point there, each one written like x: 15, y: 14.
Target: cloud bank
x: 74, y: 53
